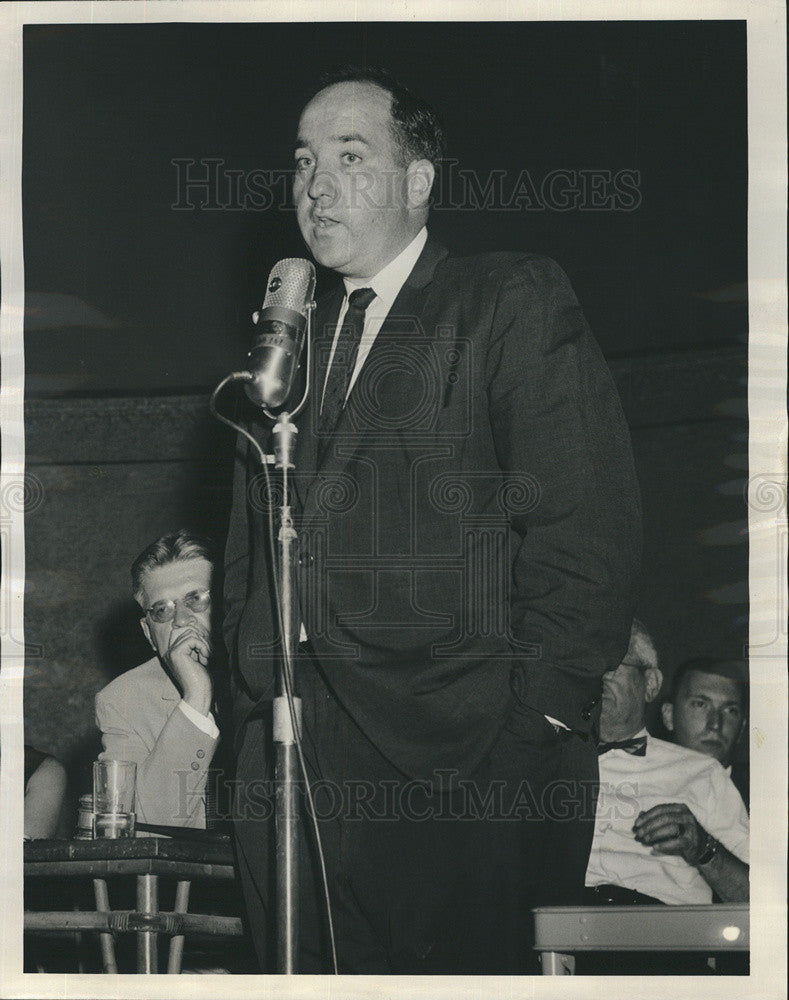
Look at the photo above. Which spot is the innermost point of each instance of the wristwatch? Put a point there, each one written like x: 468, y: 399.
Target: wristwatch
x: 708, y: 852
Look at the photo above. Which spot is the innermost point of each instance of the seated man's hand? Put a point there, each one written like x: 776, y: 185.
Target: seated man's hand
x: 671, y: 828
x: 187, y: 659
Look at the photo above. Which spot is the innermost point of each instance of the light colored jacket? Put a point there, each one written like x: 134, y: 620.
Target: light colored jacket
x: 140, y: 720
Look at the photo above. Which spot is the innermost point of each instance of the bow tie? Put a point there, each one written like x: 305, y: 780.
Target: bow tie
x: 636, y: 746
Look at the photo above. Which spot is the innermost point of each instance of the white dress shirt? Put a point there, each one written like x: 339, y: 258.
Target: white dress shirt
x: 630, y: 784
x: 205, y: 723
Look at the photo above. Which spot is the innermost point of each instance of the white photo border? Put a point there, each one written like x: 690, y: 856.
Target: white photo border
x: 768, y: 512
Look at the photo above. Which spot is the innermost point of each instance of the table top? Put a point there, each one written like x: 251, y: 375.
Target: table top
x: 713, y: 927
x: 193, y: 856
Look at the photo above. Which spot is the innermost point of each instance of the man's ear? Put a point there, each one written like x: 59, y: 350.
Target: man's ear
x: 147, y: 632
x: 667, y: 711
x: 419, y: 177
x: 653, y: 680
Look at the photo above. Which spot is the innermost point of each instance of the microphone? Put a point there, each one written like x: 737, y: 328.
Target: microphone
x: 281, y: 325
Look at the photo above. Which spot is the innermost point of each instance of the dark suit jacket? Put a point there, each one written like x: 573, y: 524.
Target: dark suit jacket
x: 471, y: 530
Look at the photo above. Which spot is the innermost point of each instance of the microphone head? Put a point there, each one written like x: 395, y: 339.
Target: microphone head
x: 281, y: 326
x: 291, y: 285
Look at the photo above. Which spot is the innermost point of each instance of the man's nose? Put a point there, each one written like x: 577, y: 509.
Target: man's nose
x: 715, y: 720
x: 322, y: 185
x: 183, y: 616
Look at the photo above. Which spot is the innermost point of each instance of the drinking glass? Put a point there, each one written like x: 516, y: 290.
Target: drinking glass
x: 113, y: 798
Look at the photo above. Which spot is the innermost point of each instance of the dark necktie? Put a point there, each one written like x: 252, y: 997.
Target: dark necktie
x: 344, y: 360
x: 637, y: 746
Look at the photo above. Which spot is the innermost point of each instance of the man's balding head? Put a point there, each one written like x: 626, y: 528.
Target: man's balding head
x: 364, y: 159
x: 629, y: 689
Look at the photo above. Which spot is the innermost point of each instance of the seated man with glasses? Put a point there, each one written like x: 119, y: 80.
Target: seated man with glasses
x: 670, y: 826
x: 159, y: 714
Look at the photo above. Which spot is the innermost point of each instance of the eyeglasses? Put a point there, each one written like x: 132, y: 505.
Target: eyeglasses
x: 164, y: 611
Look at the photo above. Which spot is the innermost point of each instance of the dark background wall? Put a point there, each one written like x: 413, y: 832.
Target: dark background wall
x: 135, y: 308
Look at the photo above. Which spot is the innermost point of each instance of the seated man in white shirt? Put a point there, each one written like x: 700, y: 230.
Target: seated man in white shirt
x: 159, y: 714
x: 670, y: 825
x: 706, y: 710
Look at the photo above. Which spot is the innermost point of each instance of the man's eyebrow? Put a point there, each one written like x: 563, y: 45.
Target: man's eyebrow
x: 352, y: 137
x: 345, y: 137
x: 701, y: 696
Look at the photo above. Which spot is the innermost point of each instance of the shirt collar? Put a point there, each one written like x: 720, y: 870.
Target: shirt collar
x: 633, y: 736
x: 390, y: 279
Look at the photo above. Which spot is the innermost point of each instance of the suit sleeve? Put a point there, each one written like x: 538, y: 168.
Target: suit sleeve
x: 556, y: 417
x: 247, y: 595
x: 171, y: 774
x: 237, y: 553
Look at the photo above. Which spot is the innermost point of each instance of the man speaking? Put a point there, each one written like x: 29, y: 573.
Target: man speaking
x: 469, y: 524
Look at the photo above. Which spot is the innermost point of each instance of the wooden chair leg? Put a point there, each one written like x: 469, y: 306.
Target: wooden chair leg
x: 148, y: 941
x: 176, y: 952
x: 106, y: 940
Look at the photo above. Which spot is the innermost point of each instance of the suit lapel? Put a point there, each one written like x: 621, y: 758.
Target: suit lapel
x: 306, y: 455
x: 409, y: 303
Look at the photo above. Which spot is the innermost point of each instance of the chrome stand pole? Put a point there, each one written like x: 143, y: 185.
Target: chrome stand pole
x: 287, y: 723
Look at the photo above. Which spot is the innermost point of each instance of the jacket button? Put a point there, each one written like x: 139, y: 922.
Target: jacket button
x: 586, y: 713
x: 306, y: 559
x: 195, y: 766
x: 201, y: 754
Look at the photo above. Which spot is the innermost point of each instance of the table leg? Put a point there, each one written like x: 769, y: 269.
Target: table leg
x: 147, y: 941
x: 106, y: 941
x: 177, y: 940
x: 555, y: 963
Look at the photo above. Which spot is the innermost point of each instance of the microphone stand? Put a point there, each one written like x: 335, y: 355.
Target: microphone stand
x: 287, y: 722
x: 286, y: 705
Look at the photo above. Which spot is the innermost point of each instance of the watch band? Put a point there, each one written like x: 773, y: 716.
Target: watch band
x: 709, y: 851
